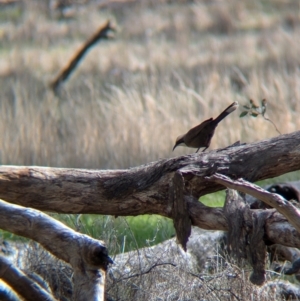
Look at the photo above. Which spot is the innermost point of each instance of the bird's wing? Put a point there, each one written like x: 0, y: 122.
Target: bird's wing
x: 192, y: 133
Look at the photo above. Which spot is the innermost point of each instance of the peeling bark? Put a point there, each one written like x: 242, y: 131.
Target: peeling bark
x: 257, y: 249
x: 246, y: 234
x: 239, y: 224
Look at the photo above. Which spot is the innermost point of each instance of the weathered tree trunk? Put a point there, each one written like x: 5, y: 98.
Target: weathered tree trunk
x: 146, y: 189
x: 87, y: 256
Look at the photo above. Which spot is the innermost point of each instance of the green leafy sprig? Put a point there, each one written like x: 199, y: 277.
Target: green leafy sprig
x: 252, y: 109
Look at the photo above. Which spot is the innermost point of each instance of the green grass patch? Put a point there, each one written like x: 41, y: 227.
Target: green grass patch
x: 11, y: 14
x: 216, y: 199
x: 4, y: 235
x: 121, y: 234
x: 288, y: 177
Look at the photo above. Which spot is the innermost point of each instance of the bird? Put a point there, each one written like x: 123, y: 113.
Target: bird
x: 200, y: 135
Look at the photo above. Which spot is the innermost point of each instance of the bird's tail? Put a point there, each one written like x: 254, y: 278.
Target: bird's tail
x: 226, y: 112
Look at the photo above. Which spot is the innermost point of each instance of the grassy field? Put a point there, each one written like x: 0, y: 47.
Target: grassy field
x: 170, y: 66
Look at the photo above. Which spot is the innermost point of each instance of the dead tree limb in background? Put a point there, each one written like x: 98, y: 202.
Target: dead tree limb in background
x: 87, y: 256
x: 101, y: 34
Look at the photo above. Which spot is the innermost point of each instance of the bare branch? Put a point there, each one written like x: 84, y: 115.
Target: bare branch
x: 277, y: 228
x: 22, y: 284
x: 101, y: 33
x: 274, y: 200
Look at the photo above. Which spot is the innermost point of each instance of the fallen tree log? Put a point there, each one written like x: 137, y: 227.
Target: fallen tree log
x: 168, y: 187
x: 274, y: 200
x: 145, y: 189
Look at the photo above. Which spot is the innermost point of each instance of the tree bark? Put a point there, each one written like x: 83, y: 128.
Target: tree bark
x: 148, y: 189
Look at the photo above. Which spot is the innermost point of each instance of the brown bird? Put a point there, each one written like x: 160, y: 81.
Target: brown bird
x: 200, y: 135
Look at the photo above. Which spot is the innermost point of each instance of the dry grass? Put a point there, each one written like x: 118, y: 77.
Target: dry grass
x: 169, y: 68
x: 172, y: 65
x: 163, y: 272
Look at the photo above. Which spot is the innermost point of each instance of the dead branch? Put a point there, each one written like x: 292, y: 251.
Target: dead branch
x: 282, y: 253
x: 251, y: 225
x: 22, y: 284
x: 87, y: 256
x: 4, y: 3
x: 274, y: 200
x: 101, y: 34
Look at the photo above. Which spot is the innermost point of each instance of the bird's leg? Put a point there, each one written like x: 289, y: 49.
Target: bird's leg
x: 205, y: 149
x: 197, y: 150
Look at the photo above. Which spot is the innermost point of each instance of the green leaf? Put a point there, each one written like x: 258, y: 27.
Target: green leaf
x: 254, y: 114
x: 243, y: 114
x: 246, y: 107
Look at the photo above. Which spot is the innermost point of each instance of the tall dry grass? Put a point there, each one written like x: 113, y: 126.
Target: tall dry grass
x: 170, y: 67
